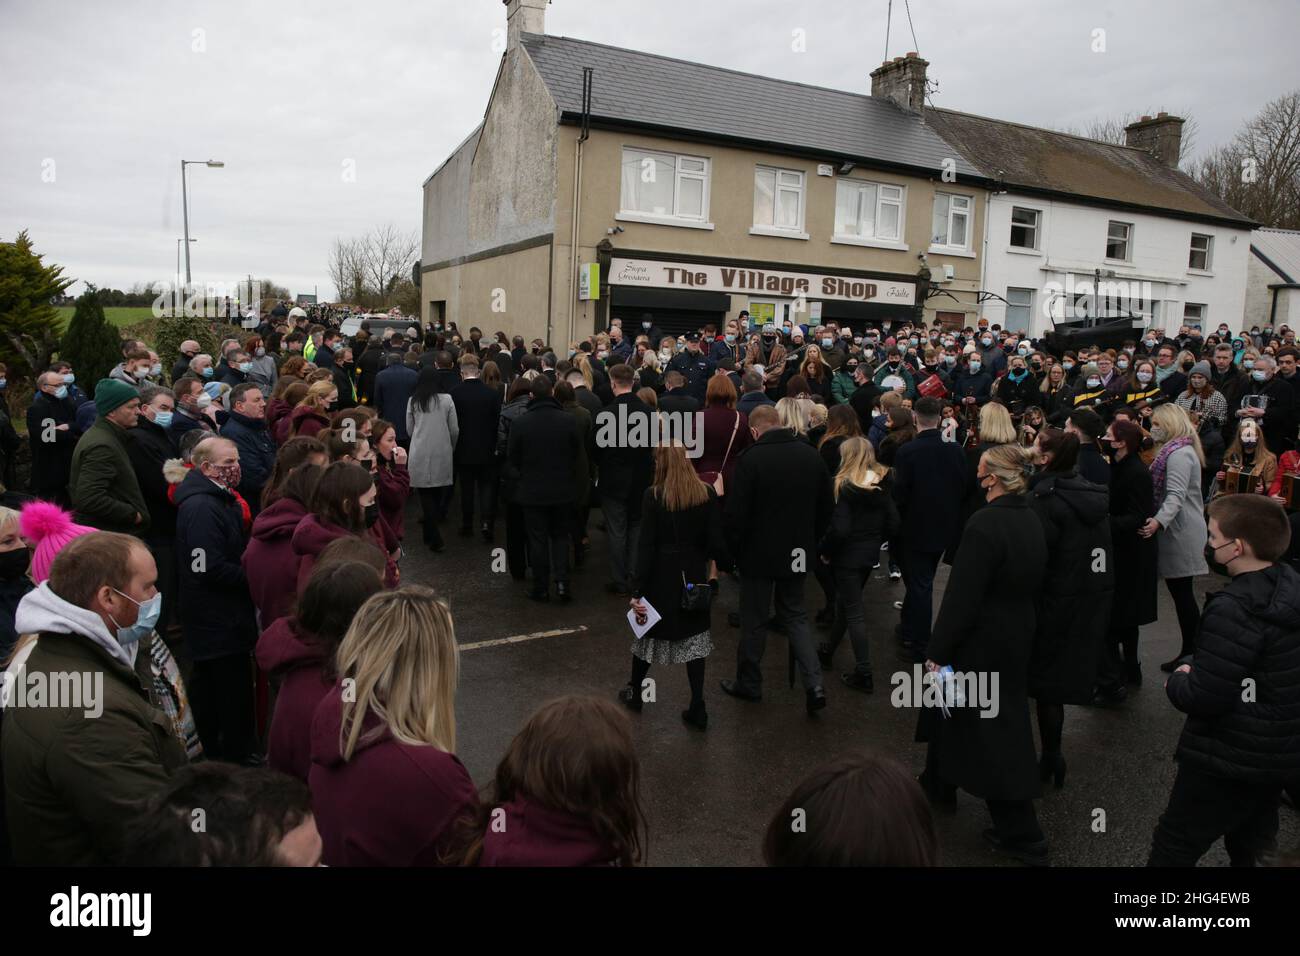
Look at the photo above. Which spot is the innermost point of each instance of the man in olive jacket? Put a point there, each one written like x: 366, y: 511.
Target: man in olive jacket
x: 1241, y: 695
x: 104, y: 489
x: 78, y: 761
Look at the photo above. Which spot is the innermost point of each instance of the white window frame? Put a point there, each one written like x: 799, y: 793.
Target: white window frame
x: 1037, y: 228
x: 968, y: 211
x: 1029, y: 307
x: 1197, y: 320
x: 799, y: 188
x: 1208, y: 250
x: 898, y: 200
x: 677, y: 218
x: 1128, y: 241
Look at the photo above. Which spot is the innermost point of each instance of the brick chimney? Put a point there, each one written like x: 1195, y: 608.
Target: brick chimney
x: 1160, y: 135
x: 901, y: 80
x: 524, y: 16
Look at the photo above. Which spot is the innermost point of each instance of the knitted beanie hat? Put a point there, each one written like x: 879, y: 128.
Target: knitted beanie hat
x: 49, y: 528
x: 111, y: 394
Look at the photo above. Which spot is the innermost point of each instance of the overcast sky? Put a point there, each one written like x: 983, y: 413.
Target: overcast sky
x: 105, y: 97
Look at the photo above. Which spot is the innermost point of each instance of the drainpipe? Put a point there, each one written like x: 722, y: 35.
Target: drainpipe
x: 984, y: 260
x: 577, y: 201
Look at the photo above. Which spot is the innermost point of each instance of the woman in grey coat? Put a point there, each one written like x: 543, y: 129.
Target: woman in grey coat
x: 263, y: 373
x: 431, y: 423
x: 1179, y: 517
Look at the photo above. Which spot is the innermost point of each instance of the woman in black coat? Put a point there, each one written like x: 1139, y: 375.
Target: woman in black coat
x: 985, y: 630
x: 864, y: 515
x: 1134, y: 604
x: 681, y: 531
x: 1074, y: 602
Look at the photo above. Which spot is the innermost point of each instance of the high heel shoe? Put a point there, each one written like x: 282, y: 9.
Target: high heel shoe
x: 1052, y: 766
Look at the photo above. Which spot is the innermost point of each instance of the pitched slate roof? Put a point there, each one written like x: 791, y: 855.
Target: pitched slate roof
x: 1280, y: 251
x: 1042, y: 159
x: 641, y: 89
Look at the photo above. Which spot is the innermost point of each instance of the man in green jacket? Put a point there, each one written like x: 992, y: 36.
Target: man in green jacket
x: 105, y: 492
x: 84, y: 740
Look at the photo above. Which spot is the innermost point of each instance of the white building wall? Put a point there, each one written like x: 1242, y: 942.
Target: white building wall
x: 1072, y: 245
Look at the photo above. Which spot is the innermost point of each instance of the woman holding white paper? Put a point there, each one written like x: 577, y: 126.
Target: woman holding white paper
x: 680, y: 532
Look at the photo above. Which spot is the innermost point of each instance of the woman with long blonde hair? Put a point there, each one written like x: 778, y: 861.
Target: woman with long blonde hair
x: 793, y: 413
x: 1179, y: 521
x: 864, y: 515
x: 681, y: 531
x: 311, y: 414
x: 1250, y: 455
x: 386, y: 784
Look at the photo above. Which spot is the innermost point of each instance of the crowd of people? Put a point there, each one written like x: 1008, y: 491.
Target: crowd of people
x: 222, y: 547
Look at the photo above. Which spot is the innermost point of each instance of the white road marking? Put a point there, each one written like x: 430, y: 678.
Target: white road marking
x: 521, y: 638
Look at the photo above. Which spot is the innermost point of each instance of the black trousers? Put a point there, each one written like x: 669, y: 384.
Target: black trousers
x: 516, y: 541
x: 221, y: 693
x: 919, y: 568
x: 1203, y: 808
x: 851, y: 616
x: 1015, y: 820
x: 548, y: 543
x: 483, y: 480
x: 430, y: 506
x: 756, y: 598
x: 1189, y: 614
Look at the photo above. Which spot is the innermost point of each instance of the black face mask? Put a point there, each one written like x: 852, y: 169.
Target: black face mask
x: 372, y: 514
x: 13, y: 564
x: 1215, y: 566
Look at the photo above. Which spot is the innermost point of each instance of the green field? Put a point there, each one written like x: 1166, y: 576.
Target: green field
x: 119, y: 315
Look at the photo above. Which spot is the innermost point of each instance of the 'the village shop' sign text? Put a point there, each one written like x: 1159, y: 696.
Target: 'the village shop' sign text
x: 651, y: 273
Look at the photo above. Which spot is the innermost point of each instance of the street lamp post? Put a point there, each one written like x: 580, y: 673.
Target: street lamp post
x: 185, y: 205
x: 178, y: 267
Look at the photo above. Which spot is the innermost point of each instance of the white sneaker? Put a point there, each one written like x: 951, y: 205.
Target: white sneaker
x: 898, y: 605
x: 895, y: 574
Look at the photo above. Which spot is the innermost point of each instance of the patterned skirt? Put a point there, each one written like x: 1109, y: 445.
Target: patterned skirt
x: 673, y: 652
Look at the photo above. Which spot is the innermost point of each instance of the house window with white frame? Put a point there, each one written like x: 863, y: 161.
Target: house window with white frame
x: 1024, y: 227
x: 1020, y: 309
x: 664, y: 186
x: 1119, y: 237
x: 868, y: 210
x: 951, y: 221
x: 1199, y: 257
x: 778, y: 199
x: 1193, y: 313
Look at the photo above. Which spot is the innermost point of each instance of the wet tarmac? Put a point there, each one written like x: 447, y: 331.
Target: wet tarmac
x: 709, y: 796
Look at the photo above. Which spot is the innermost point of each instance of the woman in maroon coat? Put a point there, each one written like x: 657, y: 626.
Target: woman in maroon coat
x: 344, y: 503
x: 385, y: 782
x: 725, y: 433
x: 281, y: 402
x: 298, y: 652
x: 311, y: 415
x: 568, y: 792
x: 391, y: 476
x: 269, y: 560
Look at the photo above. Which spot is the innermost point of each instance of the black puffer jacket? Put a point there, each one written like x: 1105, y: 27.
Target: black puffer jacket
x: 1074, y: 603
x: 860, y: 520
x: 1248, y: 631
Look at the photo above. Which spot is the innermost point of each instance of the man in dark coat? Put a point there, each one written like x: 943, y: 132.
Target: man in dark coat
x: 188, y: 349
x: 777, y: 510
x: 583, y: 395
x: 478, y: 412
x: 1270, y: 402
x: 1241, y: 694
x: 676, y: 398
x: 1087, y: 425
x: 52, y: 435
x: 929, y: 487
x: 149, y: 445
x: 393, y: 389
x: 752, y: 394
x: 246, y: 427
x: 542, y: 451
x: 646, y: 326
x: 105, y: 492
x: 216, y: 610
x: 237, y: 368
x: 626, y: 470
x: 865, y: 396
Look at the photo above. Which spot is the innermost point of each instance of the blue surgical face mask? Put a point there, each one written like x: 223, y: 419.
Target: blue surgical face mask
x: 162, y: 419
x: 974, y: 367
x: 3, y: 383
x: 729, y: 338
x: 1259, y: 375
x: 207, y: 372
x: 827, y: 343
x: 213, y: 389
x: 145, y: 620
x: 69, y: 378
x: 245, y: 367
x: 62, y: 392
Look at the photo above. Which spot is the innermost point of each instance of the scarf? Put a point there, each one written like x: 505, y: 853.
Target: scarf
x: 1164, y: 373
x: 1161, y: 463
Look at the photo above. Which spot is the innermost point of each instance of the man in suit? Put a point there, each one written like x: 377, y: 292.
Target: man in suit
x: 752, y: 394
x: 626, y: 470
x: 541, y: 450
x: 393, y: 388
x: 776, y: 511
x: 675, y: 397
x: 478, y: 411
x: 929, y: 487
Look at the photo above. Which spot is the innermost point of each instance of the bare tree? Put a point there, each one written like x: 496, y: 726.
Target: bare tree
x: 389, y: 255
x: 347, y: 269
x: 1258, y: 173
x: 1111, y: 130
